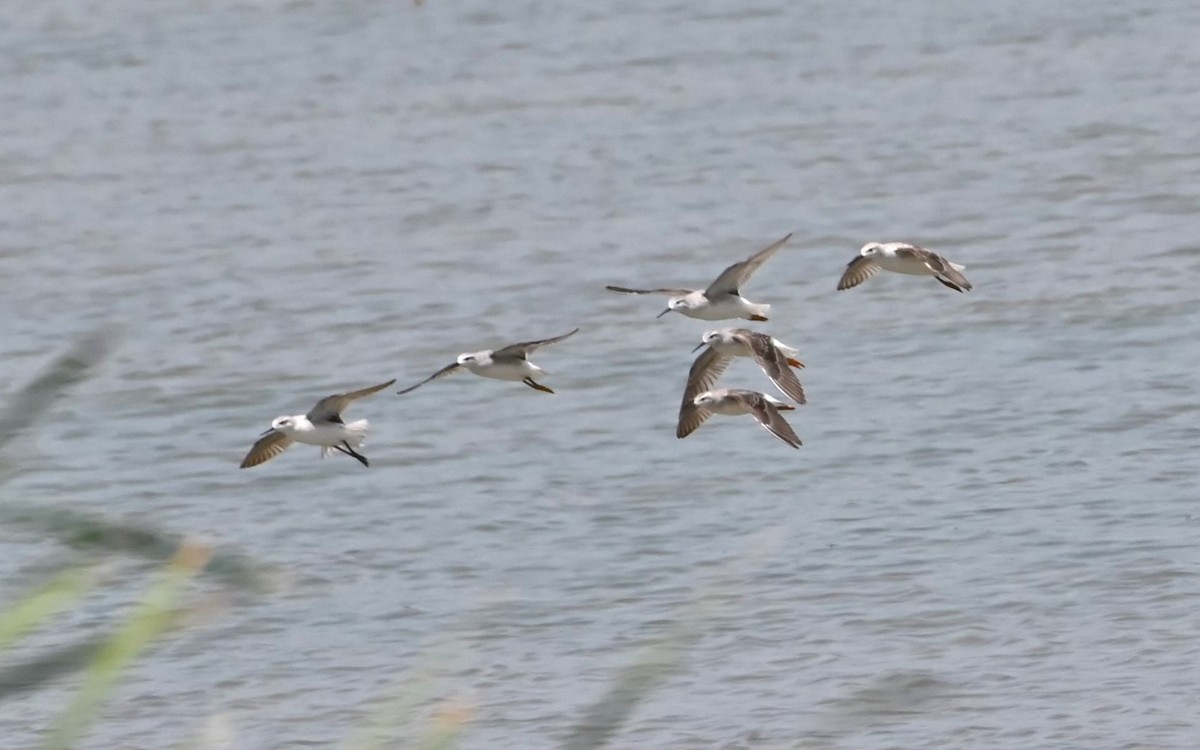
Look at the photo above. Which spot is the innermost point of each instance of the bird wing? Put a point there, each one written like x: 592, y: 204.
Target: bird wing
x: 330, y: 408
x: 521, y: 350
x: 690, y: 418
x: 732, y: 278
x: 857, y: 271
x: 945, y: 271
x: 705, y: 371
x: 768, y: 416
x: 265, y: 448
x: 773, y: 363
x: 449, y: 369
x: 627, y: 290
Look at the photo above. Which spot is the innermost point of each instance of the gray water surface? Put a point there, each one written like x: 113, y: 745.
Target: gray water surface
x: 988, y: 540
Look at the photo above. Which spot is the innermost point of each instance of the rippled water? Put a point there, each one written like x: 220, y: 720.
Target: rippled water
x: 989, y: 538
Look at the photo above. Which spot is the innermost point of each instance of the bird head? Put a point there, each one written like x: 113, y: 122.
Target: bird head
x: 676, y: 303
x: 473, y: 359
x: 282, y: 424
x: 709, y: 338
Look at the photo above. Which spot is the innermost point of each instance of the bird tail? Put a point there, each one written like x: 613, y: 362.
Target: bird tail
x: 790, y: 352
x: 958, y: 266
x: 759, y: 312
x: 780, y: 405
x: 356, y: 432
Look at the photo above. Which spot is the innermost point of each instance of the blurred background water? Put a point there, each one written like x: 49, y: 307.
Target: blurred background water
x: 989, y: 538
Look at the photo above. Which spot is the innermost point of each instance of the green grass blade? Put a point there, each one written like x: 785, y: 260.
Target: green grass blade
x: 19, y: 619
x: 87, y: 531
x: 448, y: 725
x: 394, y: 716
x: 24, y: 677
x: 30, y: 403
x: 149, y: 620
x: 45, y: 667
x: 634, y: 683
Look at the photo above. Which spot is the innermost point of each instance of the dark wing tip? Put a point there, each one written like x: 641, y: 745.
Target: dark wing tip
x: 690, y: 418
x: 420, y: 383
x: 448, y: 369
x: 951, y: 284
x: 411, y: 388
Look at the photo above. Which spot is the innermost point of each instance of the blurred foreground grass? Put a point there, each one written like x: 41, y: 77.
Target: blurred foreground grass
x: 100, y: 658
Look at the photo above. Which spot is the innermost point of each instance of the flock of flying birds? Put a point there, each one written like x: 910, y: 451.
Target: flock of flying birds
x: 323, y: 425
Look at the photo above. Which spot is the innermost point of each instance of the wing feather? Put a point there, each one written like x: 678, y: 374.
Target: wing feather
x: 690, y: 418
x: 946, y: 272
x: 772, y: 362
x: 521, y: 350
x: 449, y: 369
x: 627, y: 290
x: 768, y: 416
x: 265, y: 448
x: 330, y: 408
x: 731, y: 279
x: 857, y: 271
x: 705, y: 371
x: 912, y: 252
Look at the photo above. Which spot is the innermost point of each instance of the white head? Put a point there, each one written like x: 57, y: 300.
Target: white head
x: 677, y: 303
x: 473, y: 359
x: 286, y: 425
x: 871, y: 249
x: 712, y: 338
x: 705, y: 399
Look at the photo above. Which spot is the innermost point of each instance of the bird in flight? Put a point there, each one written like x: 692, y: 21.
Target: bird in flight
x: 902, y: 257
x: 322, y: 425
x: 734, y: 401
x: 722, y: 299
x: 509, y: 363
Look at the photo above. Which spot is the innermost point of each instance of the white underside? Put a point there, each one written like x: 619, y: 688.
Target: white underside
x: 507, y: 370
x: 729, y: 408
x: 329, y: 435
x: 909, y: 266
x: 732, y: 407
x: 726, y: 308
x: 737, y: 349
